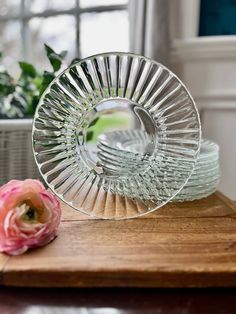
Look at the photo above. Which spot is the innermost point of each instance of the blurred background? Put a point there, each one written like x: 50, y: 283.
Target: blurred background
x: 82, y: 27
x: 194, y: 38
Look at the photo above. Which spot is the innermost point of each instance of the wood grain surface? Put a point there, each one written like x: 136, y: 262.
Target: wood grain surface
x: 190, y: 244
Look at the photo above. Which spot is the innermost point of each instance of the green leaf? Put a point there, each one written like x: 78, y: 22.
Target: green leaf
x: 48, y: 77
x: 35, y: 102
x: 55, y: 61
x: 48, y: 49
x: 94, y: 122
x: 20, y: 98
x: 63, y: 54
x: 5, y: 78
x: 1, y: 56
x: 13, y: 106
x: 89, y: 135
x: 27, y: 69
x: 7, y: 85
x: 54, y: 58
x: 33, y: 105
x: 38, y: 81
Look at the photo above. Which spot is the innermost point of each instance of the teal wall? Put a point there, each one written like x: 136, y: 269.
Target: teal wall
x: 217, y: 17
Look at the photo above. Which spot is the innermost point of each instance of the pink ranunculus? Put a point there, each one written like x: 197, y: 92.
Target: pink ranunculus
x: 29, y: 216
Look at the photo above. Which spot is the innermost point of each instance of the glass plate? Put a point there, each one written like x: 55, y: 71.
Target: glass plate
x: 106, y: 88
x: 194, y: 196
x: 204, y: 178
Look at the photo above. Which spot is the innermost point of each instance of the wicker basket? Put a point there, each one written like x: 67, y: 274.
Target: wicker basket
x: 16, y: 156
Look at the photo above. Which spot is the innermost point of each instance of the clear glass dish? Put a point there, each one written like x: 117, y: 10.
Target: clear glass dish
x: 206, y: 174
x: 126, y: 92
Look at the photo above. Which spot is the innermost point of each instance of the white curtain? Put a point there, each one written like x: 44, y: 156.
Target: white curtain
x: 149, y: 29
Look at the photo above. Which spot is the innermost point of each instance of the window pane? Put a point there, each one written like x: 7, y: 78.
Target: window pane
x: 103, y: 32
x: 9, y: 6
x: 92, y: 3
x: 38, y: 6
x: 10, y: 45
x: 58, y: 32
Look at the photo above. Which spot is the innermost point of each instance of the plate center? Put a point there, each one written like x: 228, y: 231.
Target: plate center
x: 105, y: 149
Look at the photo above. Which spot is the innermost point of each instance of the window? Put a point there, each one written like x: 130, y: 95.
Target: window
x: 83, y: 27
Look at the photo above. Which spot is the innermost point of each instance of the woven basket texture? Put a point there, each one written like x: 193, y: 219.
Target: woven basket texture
x: 16, y: 155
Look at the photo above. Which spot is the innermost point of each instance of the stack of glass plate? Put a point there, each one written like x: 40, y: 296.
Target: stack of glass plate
x: 121, y: 91
x: 113, y: 147
x: 206, y: 175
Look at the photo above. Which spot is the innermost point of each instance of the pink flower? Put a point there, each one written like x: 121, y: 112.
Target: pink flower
x: 29, y: 216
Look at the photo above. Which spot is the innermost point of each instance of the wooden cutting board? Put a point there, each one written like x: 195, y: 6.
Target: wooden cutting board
x: 191, y: 244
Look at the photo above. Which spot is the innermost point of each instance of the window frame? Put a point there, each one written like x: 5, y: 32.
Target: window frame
x: 24, y: 16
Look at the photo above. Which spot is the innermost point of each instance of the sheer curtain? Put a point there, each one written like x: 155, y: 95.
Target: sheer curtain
x: 149, y: 29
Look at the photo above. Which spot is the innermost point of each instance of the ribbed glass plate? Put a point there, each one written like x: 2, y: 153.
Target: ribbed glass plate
x: 206, y: 174
x: 79, y: 104
x: 194, y: 196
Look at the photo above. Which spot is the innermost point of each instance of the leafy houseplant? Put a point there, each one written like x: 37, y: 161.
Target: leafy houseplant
x: 19, y: 98
x: 18, y: 101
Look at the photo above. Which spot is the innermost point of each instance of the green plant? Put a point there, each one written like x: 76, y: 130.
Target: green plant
x: 20, y: 98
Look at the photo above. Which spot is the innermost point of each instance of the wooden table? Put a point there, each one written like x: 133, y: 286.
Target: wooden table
x: 190, y: 244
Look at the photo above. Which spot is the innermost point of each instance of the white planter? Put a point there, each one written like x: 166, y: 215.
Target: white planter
x: 16, y: 156
x: 207, y: 65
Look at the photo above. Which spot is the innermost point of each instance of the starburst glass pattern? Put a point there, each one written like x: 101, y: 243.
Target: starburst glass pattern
x: 116, y: 183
